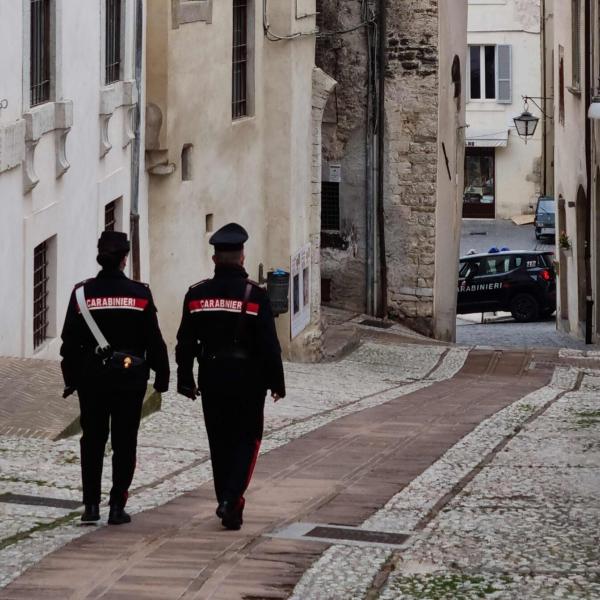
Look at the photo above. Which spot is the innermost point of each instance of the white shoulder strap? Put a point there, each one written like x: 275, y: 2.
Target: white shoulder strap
x: 85, y: 312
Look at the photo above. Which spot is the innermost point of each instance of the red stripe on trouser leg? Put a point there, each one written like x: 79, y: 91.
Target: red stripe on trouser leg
x: 253, y: 462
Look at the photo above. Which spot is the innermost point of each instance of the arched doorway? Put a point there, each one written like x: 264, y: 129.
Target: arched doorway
x: 596, y: 250
x: 580, y: 211
x: 564, y: 265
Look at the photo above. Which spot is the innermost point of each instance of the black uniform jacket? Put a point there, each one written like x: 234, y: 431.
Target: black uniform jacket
x: 126, y: 315
x: 211, y: 322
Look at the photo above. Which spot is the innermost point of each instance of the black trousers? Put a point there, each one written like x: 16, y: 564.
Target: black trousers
x: 235, y: 428
x: 118, y: 412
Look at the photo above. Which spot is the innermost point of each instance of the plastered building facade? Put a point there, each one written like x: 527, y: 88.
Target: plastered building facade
x: 233, y: 134
x: 417, y: 234
x: 503, y: 174
x: 67, y: 138
x: 576, y: 71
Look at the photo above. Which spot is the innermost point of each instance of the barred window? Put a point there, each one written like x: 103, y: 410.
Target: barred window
x: 576, y: 43
x: 110, y: 217
x: 39, y: 57
x: 113, y: 41
x: 240, y: 59
x: 330, y: 206
x: 40, y: 295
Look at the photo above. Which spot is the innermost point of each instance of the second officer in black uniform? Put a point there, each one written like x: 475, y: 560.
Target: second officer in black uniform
x: 111, y: 384
x: 228, y: 325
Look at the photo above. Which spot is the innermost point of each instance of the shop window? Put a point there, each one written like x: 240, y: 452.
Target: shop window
x: 330, y: 206
x: 479, y: 194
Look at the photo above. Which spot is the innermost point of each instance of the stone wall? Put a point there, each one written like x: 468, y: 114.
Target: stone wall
x: 411, y: 160
x: 343, y: 254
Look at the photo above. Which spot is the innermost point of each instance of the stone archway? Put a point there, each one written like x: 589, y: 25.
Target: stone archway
x: 308, y: 348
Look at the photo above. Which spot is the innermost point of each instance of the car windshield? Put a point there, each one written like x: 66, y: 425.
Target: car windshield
x: 546, y: 206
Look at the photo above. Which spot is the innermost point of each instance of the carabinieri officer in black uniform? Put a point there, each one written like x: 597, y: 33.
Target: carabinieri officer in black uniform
x: 111, y: 385
x: 228, y: 326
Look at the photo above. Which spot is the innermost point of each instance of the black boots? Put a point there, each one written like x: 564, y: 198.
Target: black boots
x: 117, y: 515
x: 91, y: 514
x: 231, y: 514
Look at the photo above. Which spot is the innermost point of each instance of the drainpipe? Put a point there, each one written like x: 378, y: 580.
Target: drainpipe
x: 370, y: 173
x: 589, y: 302
x: 134, y: 219
x: 544, y: 95
x: 382, y: 28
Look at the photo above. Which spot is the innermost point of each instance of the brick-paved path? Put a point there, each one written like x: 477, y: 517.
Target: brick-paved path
x: 31, y: 403
x: 339, y: 474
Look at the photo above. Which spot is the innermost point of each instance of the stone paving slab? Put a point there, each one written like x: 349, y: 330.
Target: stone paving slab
x: 339, y: 473
x: 31, y: 403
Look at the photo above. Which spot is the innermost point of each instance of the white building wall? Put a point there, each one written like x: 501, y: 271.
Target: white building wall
x: 255, y: 170
x: 67, y: 207
x: 570, y: 171
x: 518, y: 165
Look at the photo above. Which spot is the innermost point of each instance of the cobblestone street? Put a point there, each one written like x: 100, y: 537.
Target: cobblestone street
x: 487, y: 461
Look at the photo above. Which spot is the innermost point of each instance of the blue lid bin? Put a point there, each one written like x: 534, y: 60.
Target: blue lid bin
x: 278, y: 288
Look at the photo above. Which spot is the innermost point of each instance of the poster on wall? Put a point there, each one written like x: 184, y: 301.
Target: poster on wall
x: 300, y: 270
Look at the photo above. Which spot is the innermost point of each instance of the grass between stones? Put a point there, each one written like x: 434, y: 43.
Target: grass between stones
x: 587, y: 419
x: 39, y: 527
x: 448, y: 586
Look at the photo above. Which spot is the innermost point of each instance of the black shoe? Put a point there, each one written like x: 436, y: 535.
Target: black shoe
x: 220, y: 512
x: 118, y: 516
x: 232, y: 514
x: 91, y: 514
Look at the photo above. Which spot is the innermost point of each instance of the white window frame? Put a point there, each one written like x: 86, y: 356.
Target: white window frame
x: 55, y: 54
x: 482, y: 72
x: 496, y: 99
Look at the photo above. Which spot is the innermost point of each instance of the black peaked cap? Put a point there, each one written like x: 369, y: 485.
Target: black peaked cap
x: 229, y: 238
x: 113, y: 241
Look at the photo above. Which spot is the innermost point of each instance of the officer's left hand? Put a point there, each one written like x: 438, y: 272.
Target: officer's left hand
x: 275, y: 397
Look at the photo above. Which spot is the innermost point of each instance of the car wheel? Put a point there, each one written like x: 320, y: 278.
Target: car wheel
x: 524, y: 308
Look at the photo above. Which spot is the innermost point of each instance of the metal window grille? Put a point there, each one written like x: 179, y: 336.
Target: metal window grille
x: 576, y: 42
x: 110, y: 218
x: 40, y: 295
x: 330, y: 206
x: 113, y: 41
x: 39, y: 58
x: 240, y: 59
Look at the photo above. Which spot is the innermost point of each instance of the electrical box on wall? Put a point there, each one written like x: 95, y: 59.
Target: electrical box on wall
x: 335, y: 173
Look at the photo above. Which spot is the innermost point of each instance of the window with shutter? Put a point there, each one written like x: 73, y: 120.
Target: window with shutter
x: 504, y: 74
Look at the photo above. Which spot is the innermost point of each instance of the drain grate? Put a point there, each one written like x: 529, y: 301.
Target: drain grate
x: 332, y: 534
x: 358, y: 535
x: 374, y: 323
x: 9, y: 498
x: 478, y: 233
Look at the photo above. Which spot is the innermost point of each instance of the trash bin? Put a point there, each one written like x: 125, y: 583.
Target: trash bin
x: 278, y: 288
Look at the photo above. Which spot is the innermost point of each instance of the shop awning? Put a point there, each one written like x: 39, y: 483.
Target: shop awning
x: 482, y: 138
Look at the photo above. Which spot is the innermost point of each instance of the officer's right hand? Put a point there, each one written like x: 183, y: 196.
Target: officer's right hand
x: 188, y: 392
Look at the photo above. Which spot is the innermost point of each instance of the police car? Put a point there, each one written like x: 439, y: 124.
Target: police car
x: 522, y: 283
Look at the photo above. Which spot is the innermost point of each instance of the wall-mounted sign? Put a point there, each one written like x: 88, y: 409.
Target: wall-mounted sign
x: 335, y: 173
x: 300, y: 292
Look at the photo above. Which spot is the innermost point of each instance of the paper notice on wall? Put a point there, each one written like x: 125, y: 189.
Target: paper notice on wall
x: 300, y: 284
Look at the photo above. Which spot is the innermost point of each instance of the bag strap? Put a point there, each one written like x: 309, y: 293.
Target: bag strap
x: 103, y: 344
x: 240, y: 322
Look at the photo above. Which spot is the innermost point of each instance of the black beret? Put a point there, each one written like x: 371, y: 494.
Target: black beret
x: 113, y: 242
x: 229, y: 238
